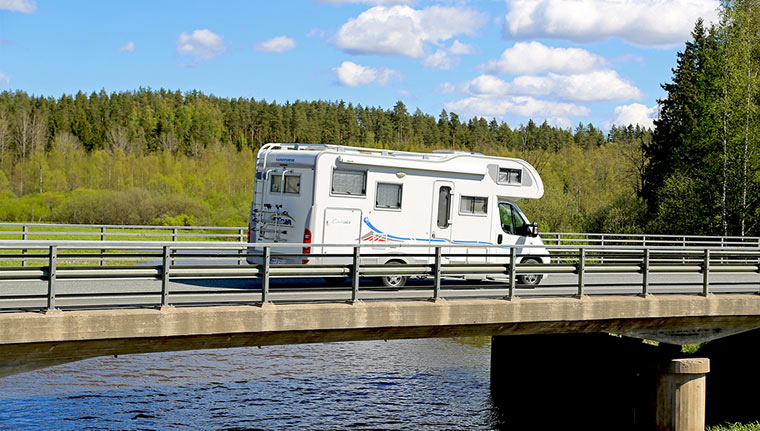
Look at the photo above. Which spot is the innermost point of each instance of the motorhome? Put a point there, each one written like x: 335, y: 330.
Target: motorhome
x: 459, y: 201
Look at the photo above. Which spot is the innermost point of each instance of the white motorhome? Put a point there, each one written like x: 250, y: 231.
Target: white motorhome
x: 306, y: 193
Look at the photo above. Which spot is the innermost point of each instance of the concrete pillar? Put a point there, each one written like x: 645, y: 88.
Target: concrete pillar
x: 681, y: 395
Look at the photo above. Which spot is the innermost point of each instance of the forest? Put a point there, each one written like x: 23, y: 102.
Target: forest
x: 186, y: 158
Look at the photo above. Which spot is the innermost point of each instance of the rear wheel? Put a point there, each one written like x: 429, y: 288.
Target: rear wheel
x: 394, y: 281
x: 529, y: 279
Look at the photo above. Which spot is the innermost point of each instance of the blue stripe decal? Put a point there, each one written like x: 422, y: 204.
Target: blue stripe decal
x: 371, y: 226
x: 366, y: 221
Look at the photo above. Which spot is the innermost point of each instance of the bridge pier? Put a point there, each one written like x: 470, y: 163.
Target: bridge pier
x: 681, y: 395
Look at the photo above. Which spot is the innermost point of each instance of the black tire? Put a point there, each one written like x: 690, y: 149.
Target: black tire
x: 394, y: 281
x: 529, y: 279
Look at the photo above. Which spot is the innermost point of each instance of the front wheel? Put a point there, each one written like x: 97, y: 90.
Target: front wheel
x: 529, y: 279
x: 394, y: 281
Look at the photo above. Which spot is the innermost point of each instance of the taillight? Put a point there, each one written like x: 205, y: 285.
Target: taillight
x: 306, y: 240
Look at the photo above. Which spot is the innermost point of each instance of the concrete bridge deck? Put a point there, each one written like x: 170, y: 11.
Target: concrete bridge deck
x: 34, y: 340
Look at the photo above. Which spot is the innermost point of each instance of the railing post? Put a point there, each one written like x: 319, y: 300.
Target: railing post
x: 581, y: 270
x: 437, y: 278
x: 242, y: 234
x: 645, y: 274
x: 102, y: 252
x: 265, y: 275
x: 24, y: 237
x: 165, y: 269
x: 175, y: 234
x: 355, y: 274
x: 52, y: 260
x: 512, y: 264
x: 706, y: 274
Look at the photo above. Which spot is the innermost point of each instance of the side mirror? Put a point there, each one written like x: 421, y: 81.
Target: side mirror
x: 533, y: 229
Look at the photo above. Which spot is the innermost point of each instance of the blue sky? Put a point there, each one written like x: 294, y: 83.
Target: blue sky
x: 564, y: 61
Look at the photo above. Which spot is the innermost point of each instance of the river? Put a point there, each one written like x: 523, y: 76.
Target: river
x: 428, y: 384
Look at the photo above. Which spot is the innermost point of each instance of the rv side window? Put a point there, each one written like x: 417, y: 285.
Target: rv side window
x: 292, y: 184
x: 510, y: 176
x: 349, y: 182
x: 444, y: 205
x: 388, y: 196
x: 473, y: 205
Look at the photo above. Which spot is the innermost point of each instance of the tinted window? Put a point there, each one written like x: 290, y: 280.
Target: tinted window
x: 348, y: 182
x: 510, y: 176
x: 473, y: 205
x: 444, y: 205
x: 292, y: 184
x: 388, y: 196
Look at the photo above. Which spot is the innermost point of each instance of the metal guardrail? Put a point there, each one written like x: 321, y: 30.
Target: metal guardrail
x: 648, y: 240
x: 30, y: 231
x: 165, y: 262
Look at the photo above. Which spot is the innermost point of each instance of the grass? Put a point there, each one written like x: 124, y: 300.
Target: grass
x: 752, y: 426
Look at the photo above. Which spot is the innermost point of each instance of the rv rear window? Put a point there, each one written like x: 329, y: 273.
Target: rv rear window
x: 510, y: 176
x: 349, y: 182
x: 388, y: 196
x: 292, y: 184
x: 473, y: 205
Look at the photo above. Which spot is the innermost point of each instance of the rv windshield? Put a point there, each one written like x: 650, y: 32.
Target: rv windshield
x: 512, y: 221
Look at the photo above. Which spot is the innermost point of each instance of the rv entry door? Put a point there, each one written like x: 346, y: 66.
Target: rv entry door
x: 440, y: 224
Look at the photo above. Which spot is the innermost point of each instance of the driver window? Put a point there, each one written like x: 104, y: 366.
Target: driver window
x: 519, y: 223
x: 511, y: 220
x: 505, y: 213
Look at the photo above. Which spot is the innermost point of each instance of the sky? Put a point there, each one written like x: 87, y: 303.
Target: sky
x: 562, y: 61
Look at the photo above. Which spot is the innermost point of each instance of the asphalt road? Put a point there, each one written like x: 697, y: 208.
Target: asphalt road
x: 32, y: 294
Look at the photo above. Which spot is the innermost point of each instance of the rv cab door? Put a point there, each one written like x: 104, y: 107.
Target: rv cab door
x: 513, y: 228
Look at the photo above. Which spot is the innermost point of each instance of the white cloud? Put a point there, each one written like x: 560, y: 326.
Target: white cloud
x: 129, y: 47
x: 447, y: 88
x: 605, y: 85
x: 487, y: 85
x: 459, y: 48
x: 5, y: 80
x: 535, y: 57
x: 651, y: 23
x: 440, y: 60
x: 25, y: 6
x: 351, y: 74
x: 404, y: 31
x: 201, y: 44
x: 522, y: 106
x: 278, y: 45
x: 634, y: 114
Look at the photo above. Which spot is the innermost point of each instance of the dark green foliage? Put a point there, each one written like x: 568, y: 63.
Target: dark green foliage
x: 701, y: 176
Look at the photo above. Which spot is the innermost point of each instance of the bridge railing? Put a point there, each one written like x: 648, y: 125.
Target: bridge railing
x: 50, y: 231
x: 58, y: 272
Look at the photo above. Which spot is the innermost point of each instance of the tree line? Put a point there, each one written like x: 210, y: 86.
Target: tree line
x: 148, y: 121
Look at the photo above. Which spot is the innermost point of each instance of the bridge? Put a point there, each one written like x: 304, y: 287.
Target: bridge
x: 62, y: 301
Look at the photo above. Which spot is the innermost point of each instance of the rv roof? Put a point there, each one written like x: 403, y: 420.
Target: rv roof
x: 435, y: 154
